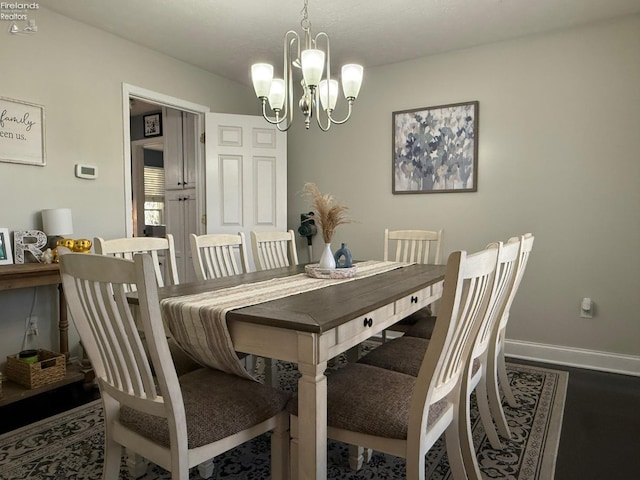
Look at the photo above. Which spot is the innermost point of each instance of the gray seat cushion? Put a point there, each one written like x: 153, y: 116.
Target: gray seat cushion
x: 403, y: 354
x: 415, y: 317
x: 367, y: 399
x: 423, y: 327
x: 216, y: 404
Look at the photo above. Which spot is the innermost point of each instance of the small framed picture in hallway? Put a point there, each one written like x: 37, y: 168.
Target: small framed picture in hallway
x: 153, y: 125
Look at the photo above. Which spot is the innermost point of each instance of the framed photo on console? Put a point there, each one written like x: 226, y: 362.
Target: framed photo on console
x: 6, y: 258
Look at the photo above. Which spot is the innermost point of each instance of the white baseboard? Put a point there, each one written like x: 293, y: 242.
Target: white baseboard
x: 574, y: 357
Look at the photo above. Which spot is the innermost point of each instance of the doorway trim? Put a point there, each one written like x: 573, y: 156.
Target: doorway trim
x: 139, y: 93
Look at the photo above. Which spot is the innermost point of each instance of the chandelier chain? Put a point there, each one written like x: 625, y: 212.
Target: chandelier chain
x: 305, y: 23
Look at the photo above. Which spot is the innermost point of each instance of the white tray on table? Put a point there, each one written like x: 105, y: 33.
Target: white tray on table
x: 313, y: 270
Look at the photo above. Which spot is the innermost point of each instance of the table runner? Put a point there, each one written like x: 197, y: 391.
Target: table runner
x: 198, y: 322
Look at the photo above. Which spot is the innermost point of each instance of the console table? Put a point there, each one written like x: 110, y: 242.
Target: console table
x: 35, y: 275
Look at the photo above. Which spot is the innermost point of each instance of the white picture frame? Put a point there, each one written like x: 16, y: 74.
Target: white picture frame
x: 6, y: 256
x: 22, y: 138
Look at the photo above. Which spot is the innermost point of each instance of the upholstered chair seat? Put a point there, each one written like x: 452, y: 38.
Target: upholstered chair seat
x: 217, y: 405
x: 422, y: 326
x: 373, y: 401
x: 403, y: 354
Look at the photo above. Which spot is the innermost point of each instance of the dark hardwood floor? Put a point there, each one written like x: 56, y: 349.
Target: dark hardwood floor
x: 600, y: 437
x: 38, y: 407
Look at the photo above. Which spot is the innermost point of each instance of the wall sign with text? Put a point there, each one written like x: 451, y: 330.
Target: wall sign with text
x: 21, y: 132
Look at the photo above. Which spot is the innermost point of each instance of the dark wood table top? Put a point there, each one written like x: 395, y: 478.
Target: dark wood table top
x: 319, y: 310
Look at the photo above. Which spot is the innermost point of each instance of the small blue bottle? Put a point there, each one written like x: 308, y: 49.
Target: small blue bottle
x: 343, y: 257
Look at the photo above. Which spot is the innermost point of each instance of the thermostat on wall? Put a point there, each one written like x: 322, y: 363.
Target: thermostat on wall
x: 86, y: 171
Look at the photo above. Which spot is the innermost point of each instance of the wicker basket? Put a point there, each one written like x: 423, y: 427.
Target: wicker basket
x: 49, y: 368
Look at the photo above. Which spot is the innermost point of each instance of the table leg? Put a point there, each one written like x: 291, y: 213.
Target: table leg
x: 63, y: 324
x: 312, y: 418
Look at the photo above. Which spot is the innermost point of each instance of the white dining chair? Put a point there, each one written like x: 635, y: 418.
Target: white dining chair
x: 496, y: 368
x: 217, y: 255
x: 404, y: 354
x: 415, y: 246
x: 174, y: 422
x: 162, y: 252
x: 497, y: 378
x: 273, y: 249
x: 403, y: 415
x: 157, y: 247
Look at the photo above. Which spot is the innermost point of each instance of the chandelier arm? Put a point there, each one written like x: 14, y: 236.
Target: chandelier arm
x: 266, y: 117
x: 344, y: 120
x: 327, y: 57
x: 291, y: 42
x: 322, y: 127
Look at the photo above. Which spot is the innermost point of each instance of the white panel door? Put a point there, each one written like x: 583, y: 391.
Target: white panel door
x: 246, y: 174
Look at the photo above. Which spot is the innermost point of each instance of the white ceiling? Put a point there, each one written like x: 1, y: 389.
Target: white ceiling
x: 226, y: 36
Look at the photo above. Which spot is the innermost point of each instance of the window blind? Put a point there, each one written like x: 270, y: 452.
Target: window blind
x: 153, y: 182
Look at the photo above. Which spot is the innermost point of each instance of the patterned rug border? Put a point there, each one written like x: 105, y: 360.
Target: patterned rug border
x: 538, y: 459
x: 557, y: 396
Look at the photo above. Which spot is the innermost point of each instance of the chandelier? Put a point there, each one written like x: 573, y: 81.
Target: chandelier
x: 317, y: 92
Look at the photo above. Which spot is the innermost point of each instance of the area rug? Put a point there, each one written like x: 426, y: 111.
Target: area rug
x: 70, y: 445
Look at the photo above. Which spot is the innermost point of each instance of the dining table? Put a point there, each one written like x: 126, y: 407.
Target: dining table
x: 312, y: 327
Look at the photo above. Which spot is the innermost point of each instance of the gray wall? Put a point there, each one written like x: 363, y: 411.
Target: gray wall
x: 559, y: 156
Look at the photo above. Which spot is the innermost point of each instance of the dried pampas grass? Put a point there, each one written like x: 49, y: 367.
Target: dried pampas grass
x: 328, y: 213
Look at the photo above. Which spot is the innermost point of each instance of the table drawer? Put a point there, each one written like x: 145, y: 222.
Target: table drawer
x: 415, y: 301
x: 368, y: 324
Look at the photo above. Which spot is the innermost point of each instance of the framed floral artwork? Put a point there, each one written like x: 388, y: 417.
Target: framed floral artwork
x: 435, y: 149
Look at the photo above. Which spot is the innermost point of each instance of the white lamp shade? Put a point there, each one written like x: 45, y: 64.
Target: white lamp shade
x: 261, y: 75
x: 312, y: 66
x: 328, y: 96
x: 57, y: 221
x: 276, y: 94
x: 351, y: 79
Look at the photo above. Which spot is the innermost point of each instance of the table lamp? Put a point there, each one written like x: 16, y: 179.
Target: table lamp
x: 56, y: 223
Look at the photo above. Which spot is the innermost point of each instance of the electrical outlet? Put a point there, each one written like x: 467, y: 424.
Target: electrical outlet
x: 32, y: 329
x: 586, y: 308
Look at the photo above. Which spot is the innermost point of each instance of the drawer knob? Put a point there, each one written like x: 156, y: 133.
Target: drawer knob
x: 414, y: 299
x: 368, y: 322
